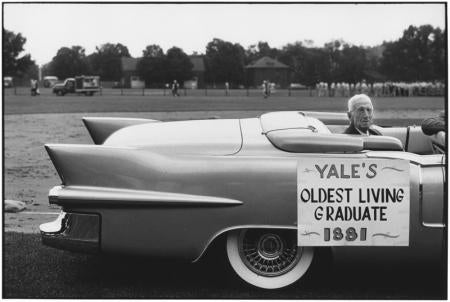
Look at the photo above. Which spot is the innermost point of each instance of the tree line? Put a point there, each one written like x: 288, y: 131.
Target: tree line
x: 419, y: 55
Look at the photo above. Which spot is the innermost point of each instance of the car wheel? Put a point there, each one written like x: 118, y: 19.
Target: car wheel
x: 268, y: 258
x: 60, y: 93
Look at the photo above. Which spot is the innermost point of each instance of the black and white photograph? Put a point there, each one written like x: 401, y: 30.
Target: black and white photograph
x: 225, y: 150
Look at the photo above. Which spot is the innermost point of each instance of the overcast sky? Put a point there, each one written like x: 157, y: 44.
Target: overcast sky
x: 49, y: 27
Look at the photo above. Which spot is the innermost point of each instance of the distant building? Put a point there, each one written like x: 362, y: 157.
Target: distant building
x: 199, y: 70
x: 268, y: 69
x: 130, y: 78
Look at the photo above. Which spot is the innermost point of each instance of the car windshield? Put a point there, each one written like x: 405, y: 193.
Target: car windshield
x: 291, y: 120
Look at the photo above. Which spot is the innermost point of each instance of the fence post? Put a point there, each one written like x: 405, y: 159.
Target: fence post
x: 143, y: 91
x: 247, y: 92
x: 121, y: 91
x: 15, y: 90
x: 184, y: 91
x: 101, y: 90
x: 164, y: 90
x: 289, y: 91
x: 206, y: 91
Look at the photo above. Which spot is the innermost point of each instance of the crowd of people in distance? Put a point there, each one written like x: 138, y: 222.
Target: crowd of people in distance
x: 377, y: 89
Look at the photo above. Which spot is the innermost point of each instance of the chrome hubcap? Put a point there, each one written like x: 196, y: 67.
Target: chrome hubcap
x: 269, y: 253
x: 270, y: 246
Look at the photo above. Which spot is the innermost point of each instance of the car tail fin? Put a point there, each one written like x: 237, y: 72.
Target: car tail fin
x: 87, y: 164
x: 101, y: 127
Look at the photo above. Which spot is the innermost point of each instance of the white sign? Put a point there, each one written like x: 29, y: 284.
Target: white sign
x: 361, y: 202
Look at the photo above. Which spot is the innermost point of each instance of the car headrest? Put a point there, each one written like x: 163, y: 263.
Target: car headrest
x: 306, y: 141
x: 379, y: 142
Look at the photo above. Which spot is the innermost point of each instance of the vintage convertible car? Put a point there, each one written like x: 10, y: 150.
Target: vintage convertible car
x: 276, y: 189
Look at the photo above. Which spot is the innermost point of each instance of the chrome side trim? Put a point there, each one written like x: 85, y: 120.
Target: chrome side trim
x: 126, y: 197
x: 383, y: 155
x: 433, y: 225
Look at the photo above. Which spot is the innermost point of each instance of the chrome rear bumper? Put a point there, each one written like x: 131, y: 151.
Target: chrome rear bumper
x: 77, y: 232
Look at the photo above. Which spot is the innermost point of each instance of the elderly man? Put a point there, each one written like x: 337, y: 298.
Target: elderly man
x: 360, y: 114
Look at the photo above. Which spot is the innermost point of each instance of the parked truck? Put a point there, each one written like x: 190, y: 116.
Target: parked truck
x: 87, y: 85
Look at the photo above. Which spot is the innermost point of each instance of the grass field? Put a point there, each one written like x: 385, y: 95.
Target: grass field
x: 25, y: 91
x: 24, y: 104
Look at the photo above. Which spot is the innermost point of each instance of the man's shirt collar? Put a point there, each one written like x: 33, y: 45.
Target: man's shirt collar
x: 363, y: 133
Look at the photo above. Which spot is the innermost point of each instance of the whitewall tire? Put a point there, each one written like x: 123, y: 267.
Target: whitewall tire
x: 268, y: 258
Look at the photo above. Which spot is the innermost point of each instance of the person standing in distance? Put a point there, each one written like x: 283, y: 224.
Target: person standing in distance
x: 266, y: 89
x: 360, y: 114
x: 175, y: 88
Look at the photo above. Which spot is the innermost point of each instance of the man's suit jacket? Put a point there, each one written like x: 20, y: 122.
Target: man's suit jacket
x: 352, y: 130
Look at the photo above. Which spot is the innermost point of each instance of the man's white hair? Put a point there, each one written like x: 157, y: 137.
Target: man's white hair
x: 358, y: 98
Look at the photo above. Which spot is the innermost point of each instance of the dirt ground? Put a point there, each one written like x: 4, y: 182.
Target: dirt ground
x: 29, y: 173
